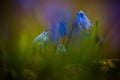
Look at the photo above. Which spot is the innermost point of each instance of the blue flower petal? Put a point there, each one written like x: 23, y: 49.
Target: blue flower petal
x: 58, y: 30
x: 40, y: 37
x: 82, y: 21
x: 62, y: 29
x: 61, y: 48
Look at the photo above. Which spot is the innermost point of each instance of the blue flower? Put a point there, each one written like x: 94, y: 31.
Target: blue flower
x: 61, y: 48
x: 42, y: 38
x: 62, y: 28
x: 82, y: 21
x: 58, y: 30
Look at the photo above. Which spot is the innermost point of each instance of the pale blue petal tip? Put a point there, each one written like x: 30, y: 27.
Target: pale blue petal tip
x: 41, y: 37
x: 61, y: 48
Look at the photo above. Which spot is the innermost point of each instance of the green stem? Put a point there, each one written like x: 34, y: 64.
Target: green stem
x: 69, y: 36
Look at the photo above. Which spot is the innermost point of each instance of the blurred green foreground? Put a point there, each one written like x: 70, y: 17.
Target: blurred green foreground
x: 21, y: 60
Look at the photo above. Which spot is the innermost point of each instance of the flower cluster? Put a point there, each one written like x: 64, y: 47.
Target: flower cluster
x: 58, y: 29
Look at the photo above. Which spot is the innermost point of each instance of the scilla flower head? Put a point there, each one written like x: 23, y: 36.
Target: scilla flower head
x: 61, y: 48
x: 82, y: 21
x: 41, y: 38
x: 58, y: 29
